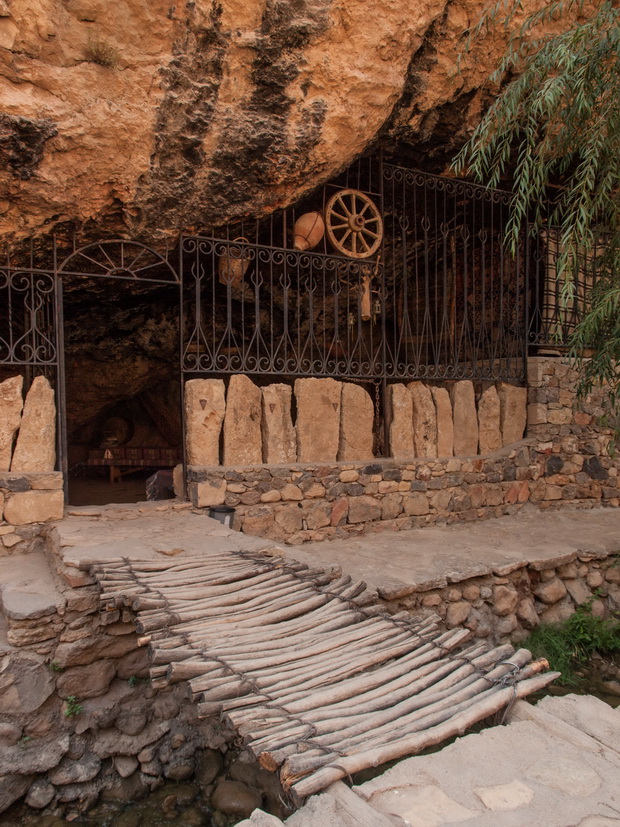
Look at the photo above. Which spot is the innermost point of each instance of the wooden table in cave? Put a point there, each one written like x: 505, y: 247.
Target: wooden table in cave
x: 132, y: 459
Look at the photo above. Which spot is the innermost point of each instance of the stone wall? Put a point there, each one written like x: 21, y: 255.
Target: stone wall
x: 27, y: 502
x: 564, y: 459
x: 509, y: 602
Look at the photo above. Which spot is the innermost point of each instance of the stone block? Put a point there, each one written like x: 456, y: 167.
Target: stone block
x: 489, y: 433
x: 290, y: 518
x: 415, y: 505
x: 205, y: 407
x: 318, y: 419
x: 465, y: 419
x: 11, y: 404
x: 34, y: 507
x: 35, y: 449
x: 424, y: 420
x: 209, y: 492
x: 242, y: 423
x: 278, y: 431
x: 513, y: 411
x: 356, y: 423
x: 364, y: 509
x: 25, y: 684
x: 445, y: 426
x: 86, y: 681
x: 401, y: 422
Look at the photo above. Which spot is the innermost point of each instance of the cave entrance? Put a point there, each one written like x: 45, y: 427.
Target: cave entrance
x: 120, y: 388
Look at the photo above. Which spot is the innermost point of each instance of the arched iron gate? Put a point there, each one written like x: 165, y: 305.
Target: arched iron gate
x: 31, y: 298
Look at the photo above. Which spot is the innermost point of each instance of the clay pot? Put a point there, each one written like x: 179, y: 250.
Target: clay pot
x: 308, y: 231
x: 234, y: 263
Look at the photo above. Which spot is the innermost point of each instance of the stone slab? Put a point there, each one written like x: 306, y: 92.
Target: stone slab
x: 278, y: 431
x: 424, y: 420
x: 513, y: 402
x: 401, y: 422
x: 35, y: 449
x: 242, y: 423
x: 205, y: 407
x: 445, y: 425
x: 489, y: 431
x: 318, y: 419
x: 465, y: 419
x: 11, y: 404
x: 356, y: 421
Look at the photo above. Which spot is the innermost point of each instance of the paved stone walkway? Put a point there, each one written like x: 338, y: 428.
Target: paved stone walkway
x: 556, y: 764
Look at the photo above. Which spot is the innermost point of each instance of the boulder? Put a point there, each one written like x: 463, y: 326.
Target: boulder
x: 242, y: 423
x: 11, y: 404
x: 489, y: 431
x: 278, y: 431
x: 465, y: 419
x: 356, y: 423
x: 318, y: 419
x: 445, y: 426
x: 424, y: 420
x: 401, y: 422
x: 35, y: 449
x: 513, y: 412
x: 205, y: 407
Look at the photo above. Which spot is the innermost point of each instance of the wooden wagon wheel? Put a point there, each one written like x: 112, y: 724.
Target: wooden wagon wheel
x: 353, y: 224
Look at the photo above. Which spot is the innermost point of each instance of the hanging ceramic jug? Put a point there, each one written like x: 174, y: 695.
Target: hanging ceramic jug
x: 234, y: 262
x: 308, y: 231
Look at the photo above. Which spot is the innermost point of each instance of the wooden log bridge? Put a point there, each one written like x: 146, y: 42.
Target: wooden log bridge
x: 317, y: 680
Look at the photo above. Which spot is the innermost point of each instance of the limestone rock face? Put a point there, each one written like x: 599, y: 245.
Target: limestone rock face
x: 489, y: 421
x: 11, y: 404
x: 445, y: 426
x: 356, y: 420
x: 465, y: 419
x: 205, y: 406
x: 318, y: 419
x: 153, y: 116
x: 279, y: 440
x: 242, y: 432
x: 424, y: 420
x: 401, y: 424
x: 513, y: 402
x: 35, y: 449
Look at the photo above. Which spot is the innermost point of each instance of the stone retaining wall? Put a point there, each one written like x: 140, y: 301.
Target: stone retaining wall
x: 508, y: 603
x: 564, y: 459
x: 27, y: 502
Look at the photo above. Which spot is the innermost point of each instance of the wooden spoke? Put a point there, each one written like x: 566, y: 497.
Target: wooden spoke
x: 353, y: 223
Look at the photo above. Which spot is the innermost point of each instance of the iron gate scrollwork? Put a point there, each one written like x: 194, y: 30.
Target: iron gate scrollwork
x: 440, y: 299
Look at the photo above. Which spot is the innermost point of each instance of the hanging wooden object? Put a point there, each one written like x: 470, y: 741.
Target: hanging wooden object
x: 234, y: 262
x: 353, y: 223
x: 308, y: 231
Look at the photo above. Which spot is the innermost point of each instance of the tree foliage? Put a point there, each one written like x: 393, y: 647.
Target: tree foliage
x: 556, y: 128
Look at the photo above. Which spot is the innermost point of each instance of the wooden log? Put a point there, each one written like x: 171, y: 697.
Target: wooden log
x: 413, y: 743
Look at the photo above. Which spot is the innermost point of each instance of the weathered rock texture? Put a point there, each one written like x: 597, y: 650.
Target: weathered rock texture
x: 152, y: 116
x: 401, y: 422
x: 11, y: 404
x: 204, y: 413
x: 35, y: 449
x: 318, y: 419
x: 424, y: 420
x: 489, y: 434
x: 279, y: 440
x: 356, y: 420
x: 445, y: 426
x: 242, y: 432
x: 465, y: 419
x: 513, y: 417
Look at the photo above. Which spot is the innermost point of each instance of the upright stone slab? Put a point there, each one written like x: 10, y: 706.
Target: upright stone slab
x: 489, y: 433
x: 318, y: 419
x: 356, y: 421
x: 35, y: 449
x: 513, y: 412
x: 242, y: 436
x: 445, y: 426
x: 205, y: 407
x: 11, y: 404
x: 279, y: 440
x: 424, y: 420
x: 465, y: 419
x: 401, y: 422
